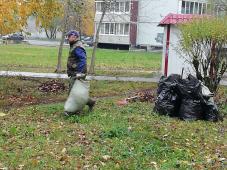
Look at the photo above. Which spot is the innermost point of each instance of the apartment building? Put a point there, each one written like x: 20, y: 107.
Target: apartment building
x: 134, y: 23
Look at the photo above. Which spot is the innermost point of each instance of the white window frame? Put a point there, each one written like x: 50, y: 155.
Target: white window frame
x: 196, y: 4
x: 102, y: 29
x: 116, y: 29
x: 114, y: 7
x: 129, y: 6
x: 107, y: 31
x: 128, y: 29
x: 98, y: 12
x: 112, y: 25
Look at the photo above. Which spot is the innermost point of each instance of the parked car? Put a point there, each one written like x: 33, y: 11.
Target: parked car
x: 84, y: 39
x: 89, y: 41
x: 14, y: 36
x: 4, y: 37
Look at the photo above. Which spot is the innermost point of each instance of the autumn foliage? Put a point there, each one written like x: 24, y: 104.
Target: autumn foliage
x: 204, y: 42
x: 14, y: 14
x: 48, y: 14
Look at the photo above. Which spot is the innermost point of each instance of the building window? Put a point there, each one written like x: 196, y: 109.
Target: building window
x: 121, y: 29
x: 114, y: 28
x: 126, y: 29
x: 187, y: 7
x: 183, y: 7
x: 122, y: 6
x: 117, y: 9
x: 99, y: 6
x: 107, y: 28
x: 114, y: 7
x: 196, y: 9
x: 112, y: 25
x: 102, y: 29
x: 127, y: 6
x: 199, y: 9
x: 192, y: 7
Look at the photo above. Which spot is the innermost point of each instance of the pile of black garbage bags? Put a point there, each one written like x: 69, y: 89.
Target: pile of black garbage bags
x: 187, y: 99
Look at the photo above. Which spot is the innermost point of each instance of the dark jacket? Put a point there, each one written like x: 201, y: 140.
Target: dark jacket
x: 77, y: 60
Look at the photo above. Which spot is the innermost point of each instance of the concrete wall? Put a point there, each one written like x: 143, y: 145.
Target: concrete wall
x: 176, y: 60
x: 151, y: 12
x: 111, y: 17
x: 114, y: 39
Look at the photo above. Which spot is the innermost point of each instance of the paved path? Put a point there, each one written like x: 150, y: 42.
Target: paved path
x: 64, y: 76
x: 45, y: 43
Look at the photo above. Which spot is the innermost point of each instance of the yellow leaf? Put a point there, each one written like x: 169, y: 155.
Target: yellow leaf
x: 2, y: 114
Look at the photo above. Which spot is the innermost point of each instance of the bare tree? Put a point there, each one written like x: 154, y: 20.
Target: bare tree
x: 92, y: 65
x: 51, y: 31
x: 64, y: 27
x: 106, y: 6
x: 219, y: 7
x: 72, y: 9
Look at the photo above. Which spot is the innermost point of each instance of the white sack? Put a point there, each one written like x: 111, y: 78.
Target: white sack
x: 78, y: 96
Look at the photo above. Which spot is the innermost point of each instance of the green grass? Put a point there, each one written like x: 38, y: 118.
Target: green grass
x: 110, y: 137
x: 44, y: 59
x: 20, y: 91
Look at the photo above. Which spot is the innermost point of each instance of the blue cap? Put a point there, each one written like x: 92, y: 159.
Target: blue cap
x: 72, y: 32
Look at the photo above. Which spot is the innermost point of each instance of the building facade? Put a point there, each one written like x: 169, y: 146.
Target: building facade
x: 134, y: 23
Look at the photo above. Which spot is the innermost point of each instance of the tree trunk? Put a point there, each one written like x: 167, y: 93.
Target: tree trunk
x: 58, y: 69
x: 46, y: 31
x: 80, y: 26
x: 92, y: 65
x: 64, y: 27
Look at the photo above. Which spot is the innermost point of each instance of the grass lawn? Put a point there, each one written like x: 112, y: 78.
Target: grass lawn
x: 44, y: 59
x: 110, y: 137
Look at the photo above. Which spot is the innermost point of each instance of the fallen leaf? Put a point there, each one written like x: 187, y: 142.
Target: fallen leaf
x: 63, y: 150
x: 64, y: 158
x: 154, y: 164
x: 21, y: 166
x: 222, y: 159
x: 209, y: 160
x: 86, y: 166
x: 122, y: 102
x: 117, y: 166
x: 129, y: 128
x: 102, y: 163
x: 2, y: 114
x: 106, y: 157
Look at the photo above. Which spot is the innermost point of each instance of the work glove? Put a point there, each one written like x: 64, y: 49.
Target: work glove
x: 79, y: 76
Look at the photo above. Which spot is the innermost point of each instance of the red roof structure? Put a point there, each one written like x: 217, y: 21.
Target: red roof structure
x: 177, y: 19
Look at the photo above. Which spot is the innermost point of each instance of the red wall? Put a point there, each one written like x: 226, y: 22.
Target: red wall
x: 133, y: 22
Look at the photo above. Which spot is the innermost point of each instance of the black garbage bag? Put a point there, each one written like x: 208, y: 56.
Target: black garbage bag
x: 190, y: 88
x: 167, y: 102
x: 187, y: 99
x: 168, y: 82
x: 191, y: 109
x: 211, y: 112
